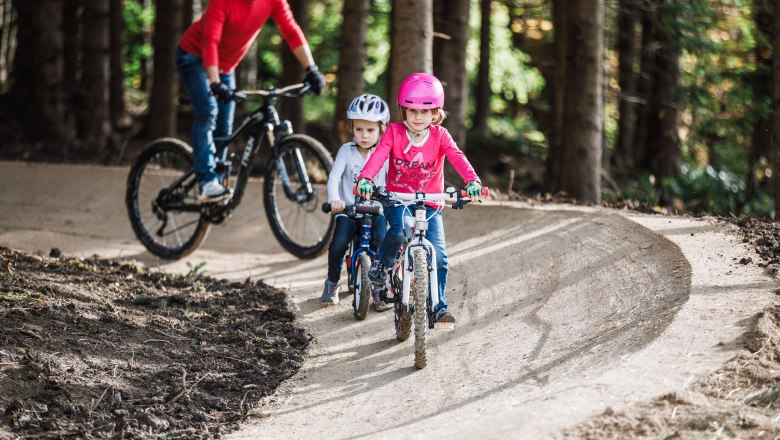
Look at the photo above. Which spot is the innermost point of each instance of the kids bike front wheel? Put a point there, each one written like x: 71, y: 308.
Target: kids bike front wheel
x: 419, y: 294
x: 295, y: 186
x: 362, y: 287
x: 161, y: 200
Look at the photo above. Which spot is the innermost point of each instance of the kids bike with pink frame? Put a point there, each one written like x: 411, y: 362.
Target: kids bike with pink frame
x: 412, y: 284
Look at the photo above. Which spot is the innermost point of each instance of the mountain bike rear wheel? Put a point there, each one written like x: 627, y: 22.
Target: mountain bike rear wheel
x: 362, y: 287
x: 296, y: 219
x: 419, y: 294
x: 161, y: 200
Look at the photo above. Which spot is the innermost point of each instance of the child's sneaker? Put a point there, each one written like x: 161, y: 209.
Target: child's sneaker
x: 377, y: 272
x: 379, y: 305
x: 213, y: 192
x: 330, y: 292
x: 444, y: 315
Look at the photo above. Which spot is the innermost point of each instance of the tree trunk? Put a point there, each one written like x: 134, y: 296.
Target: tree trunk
x: 645, y: 81
x: 292, y: 71
x: 776, y: 105
x: 554, y: 161
x: 583, y: 112
x: 352, y: 60
x: 72, y: 27
x: 762, y: 93
x: 38, y: 71
x: 187, y: 13
x: 9, y: 38
x: 161, y: 120
x: 626, y: 49
x: 450, y: 65
x: 119, y: 116
x: 4, y: 25
x: 484, y: 94
x: 95, y: 114
x: 146, y: 67
x: 439, y: 35
x: 412, y: 49
x: 663, y: 152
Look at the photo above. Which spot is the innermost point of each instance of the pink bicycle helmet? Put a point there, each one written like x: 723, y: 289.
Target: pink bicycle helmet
x: 421, y: 91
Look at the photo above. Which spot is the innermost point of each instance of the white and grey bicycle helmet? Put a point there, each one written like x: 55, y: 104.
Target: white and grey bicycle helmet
x: 369, y: 108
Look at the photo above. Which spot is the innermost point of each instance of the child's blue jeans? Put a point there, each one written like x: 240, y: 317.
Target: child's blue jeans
x: 345, y: 231
x: 435, y: 234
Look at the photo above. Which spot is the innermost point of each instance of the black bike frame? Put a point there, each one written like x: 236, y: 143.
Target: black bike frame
x: 261, y: 123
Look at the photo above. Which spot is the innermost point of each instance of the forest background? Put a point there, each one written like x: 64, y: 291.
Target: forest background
x: 642, y: 103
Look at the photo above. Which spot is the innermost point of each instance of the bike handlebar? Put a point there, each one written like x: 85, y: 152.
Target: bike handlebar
x: 290, y: 91
x: 458, y: 199
x: 450, y: 194
x: 446, y: 196
x: 354, y: 209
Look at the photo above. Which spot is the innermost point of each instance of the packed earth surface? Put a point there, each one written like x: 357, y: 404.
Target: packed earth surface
x: 573, y: 322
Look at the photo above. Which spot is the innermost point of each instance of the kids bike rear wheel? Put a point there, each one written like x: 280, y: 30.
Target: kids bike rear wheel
x: 419, y: 293
x: 296, y: 219
x: 161, y: 200
x: 362, y: 287
x: 403, y: 322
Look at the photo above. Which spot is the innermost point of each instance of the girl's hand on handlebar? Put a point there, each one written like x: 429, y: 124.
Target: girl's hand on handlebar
x: 473, y: 189
x: 365, y: 187
x: 337, y: 205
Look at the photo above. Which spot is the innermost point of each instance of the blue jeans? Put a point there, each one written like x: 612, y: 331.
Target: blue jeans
x: 435, y: 234
x: 210, y: 117
x: 345, y: 231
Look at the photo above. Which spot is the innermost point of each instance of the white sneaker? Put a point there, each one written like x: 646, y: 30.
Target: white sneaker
x: 214, y: 192
x: 330, y: 293
x: 379, y: 305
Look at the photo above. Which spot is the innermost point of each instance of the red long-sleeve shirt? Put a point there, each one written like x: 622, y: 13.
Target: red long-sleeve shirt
x: 226, y: 30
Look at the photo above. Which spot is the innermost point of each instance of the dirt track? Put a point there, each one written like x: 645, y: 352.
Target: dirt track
x: 562, y: 311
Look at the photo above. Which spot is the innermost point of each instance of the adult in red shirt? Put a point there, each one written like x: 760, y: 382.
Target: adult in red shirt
x: 206, y: 58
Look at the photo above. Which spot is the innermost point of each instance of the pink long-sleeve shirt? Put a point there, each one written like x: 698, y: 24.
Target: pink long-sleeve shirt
x: 421, y: 168
x: 223, y: 35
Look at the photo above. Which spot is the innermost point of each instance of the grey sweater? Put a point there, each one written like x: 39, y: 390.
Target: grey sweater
x: 346, y: 169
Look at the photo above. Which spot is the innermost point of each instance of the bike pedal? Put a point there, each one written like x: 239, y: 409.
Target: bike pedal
x: 448, y: 326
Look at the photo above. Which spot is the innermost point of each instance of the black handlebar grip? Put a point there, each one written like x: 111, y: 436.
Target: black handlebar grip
x: 367, y: 209
x: 326, y: 207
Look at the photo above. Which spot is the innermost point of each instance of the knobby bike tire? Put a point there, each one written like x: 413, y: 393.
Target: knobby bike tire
x: 403, y: 315
x: 403, y: 322
x: 363, y: 290
x: 300, y: 227
x: 419, y: 292
x: 160, y: 164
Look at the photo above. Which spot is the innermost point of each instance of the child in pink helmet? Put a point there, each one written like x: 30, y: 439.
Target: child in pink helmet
x: 416, y: 148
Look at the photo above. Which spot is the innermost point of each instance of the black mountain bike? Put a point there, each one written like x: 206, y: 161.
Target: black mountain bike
x: 162, y: 191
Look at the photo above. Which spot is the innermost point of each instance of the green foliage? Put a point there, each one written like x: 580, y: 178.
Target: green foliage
x: 512, y: 80
x: 14, y: 297
x: 196, y: 270
x: 703, y: 190
x: 137, y: 47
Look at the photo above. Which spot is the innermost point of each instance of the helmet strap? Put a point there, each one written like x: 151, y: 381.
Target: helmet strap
x: 425, y: 132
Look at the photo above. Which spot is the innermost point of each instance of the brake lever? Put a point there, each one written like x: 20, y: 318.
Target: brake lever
x: 460, y: 203
x: 239, y: 96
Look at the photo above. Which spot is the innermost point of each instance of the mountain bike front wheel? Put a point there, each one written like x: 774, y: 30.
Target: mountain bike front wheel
x: 419, y: 294
x: 362, y: 287
x: 161, y: 200
x: 292, y: 204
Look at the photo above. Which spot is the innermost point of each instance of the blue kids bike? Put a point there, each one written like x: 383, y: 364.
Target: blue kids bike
x: 358, y: 258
